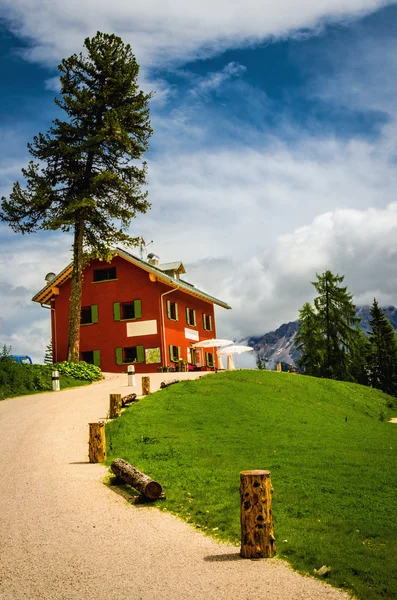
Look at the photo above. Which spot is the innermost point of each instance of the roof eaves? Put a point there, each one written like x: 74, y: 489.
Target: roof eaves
x: 45, y: 294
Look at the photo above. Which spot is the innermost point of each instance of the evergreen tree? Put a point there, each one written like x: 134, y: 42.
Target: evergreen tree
x: 86, y: 178
x: 358, y: 358
x: 337, y: 324
x: 308, y: 341
x: 48, y: 354
x: 260, y: 363
x: 382, y: 362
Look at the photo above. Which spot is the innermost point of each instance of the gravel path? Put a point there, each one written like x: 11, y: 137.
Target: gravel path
x: 66, y: 536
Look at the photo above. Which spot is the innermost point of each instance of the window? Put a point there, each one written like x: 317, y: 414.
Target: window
x: 131, y: 354
x: 124, y: 311
x: 207, y: 322
x: 175, y: 353
x: 209, y: 359
x: 92, y: 357
x: 191, y: 317
x: 172, y: 310
x: 105, y: 274
x: 89, y: 315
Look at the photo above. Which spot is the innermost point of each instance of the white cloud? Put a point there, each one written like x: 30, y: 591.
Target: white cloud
x: 214, y: 81
x: 175, y: 30
x: 268, y: 290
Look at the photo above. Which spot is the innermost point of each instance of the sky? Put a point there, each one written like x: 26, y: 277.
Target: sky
x: 273, y: 156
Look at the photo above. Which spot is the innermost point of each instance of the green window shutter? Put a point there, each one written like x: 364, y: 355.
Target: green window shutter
x: 97, y: 358
x: 176, y: 311
x: 94, y: 313
x: 116, y: 312
x: 188, y: 316
x: 172, y: 353
x: 206, y: 358
x: 205, y: 321
x: 179, y: 353
x: 169, y: 309
x: 119, y: 356
x: 137, y: 309
x: 209, y: 323
x: 140, y: 354
x: 194, y: 318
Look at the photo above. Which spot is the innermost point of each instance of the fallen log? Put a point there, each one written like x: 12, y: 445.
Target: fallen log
x: 138, y: 480
x: 165, y: 384
x: 127, y: 400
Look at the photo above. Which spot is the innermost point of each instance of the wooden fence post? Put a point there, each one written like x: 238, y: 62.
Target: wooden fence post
x: 115, y: 406
x: 257, y: 537
x: 97, y: 443
x: 145, y: 386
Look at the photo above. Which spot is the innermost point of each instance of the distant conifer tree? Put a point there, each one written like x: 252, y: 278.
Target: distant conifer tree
x: 86, y: 178
x: 260, y: 363
x: 382, y: 361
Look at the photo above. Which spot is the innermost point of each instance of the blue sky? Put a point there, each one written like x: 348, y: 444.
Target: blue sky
x: 273, y: 154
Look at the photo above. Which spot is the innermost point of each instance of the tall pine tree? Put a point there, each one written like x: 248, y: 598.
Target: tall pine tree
x: 307, y: 341
x: 86, y: 178
x: 382, y: 361
x: 337, y: 324
x: 328, y: 334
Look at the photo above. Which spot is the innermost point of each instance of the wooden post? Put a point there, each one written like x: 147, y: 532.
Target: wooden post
x: 97, y: 443
x: 257, y: 537
x: 145, y: 386
x: 278, y: 367
x: 115, y: 406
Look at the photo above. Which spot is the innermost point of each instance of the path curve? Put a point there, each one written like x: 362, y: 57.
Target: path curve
x: 66, y: 536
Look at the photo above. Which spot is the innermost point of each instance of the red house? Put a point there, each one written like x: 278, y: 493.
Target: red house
x: 133, y: 312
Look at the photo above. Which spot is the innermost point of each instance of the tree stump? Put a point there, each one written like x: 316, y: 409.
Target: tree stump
x: 145, y: 386
x: 115, y: 406
x: 257, y: 537
x: 138, y: 480
x: 97, y: 443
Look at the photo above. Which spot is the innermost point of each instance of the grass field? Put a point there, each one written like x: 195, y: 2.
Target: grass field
x: 329, y: 446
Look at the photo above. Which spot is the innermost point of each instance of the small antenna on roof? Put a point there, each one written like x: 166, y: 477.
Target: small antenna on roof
x: 142, y: 246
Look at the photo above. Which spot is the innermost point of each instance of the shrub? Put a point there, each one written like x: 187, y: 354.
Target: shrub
x: 81, y: 370
x: 18, y: 379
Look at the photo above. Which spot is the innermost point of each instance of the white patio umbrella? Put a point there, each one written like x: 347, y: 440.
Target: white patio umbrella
x: 229, y: 353
x: 230, y: 363
x: 235, y: 350
x: 213, y: 343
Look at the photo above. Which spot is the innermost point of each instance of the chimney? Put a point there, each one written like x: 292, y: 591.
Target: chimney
x: 153, y: 259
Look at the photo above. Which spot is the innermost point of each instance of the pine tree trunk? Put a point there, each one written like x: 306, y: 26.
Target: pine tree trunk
x: 76, y: 293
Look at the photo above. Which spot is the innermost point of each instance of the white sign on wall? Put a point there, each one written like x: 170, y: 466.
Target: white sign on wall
x: 191, y: 334
x: 141, y: 328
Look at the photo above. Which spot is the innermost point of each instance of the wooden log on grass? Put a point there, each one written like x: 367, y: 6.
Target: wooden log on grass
x: 165, y: 384
x: 127, y: 400
x: 257, y: 536
x: 97, y: 443
x: 145, y: 386
x: 138, y: 480
x: 114, y: 406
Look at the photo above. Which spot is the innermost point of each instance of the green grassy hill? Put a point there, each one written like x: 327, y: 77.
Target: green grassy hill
x: 329, y: 446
